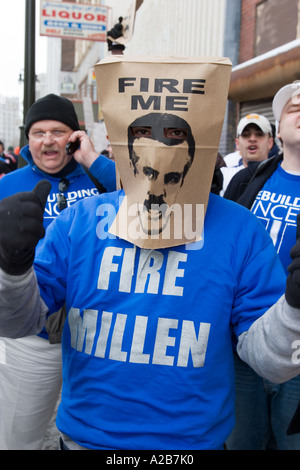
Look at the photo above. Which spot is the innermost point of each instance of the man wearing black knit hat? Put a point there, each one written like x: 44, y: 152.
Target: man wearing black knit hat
x: 30, y: 368
x: 52, y: 107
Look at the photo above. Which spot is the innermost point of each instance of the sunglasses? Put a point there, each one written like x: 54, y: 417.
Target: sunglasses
x: 61, y: 198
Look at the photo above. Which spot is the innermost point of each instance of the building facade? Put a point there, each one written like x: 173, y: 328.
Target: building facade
x: 269, y: 56
x: 168, y: 27
x: 261, y: 37
x: 10, y: 120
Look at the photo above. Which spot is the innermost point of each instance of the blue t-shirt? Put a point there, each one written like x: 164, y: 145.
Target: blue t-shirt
x: 277, y: 206
x: 147, y: 349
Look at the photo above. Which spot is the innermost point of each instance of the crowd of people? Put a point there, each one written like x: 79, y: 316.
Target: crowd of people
x: 8, y: 160
x: 268, y: 186
x: 150, y: 355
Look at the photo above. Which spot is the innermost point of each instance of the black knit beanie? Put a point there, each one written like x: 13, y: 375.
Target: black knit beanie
x: 54, y: 108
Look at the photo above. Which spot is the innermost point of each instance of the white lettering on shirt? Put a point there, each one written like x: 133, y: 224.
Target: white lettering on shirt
x: 119, y: 262
x: 191, y: 341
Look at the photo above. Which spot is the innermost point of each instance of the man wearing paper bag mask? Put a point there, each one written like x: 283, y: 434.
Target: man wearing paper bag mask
x: 148, y: 341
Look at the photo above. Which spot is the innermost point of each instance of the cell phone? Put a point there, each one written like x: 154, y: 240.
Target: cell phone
x: 71, y: 147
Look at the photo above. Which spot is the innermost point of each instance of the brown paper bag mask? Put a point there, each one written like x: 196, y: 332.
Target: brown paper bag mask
x: 164, y: 119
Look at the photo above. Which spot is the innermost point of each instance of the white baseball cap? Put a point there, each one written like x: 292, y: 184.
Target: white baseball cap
x: 261, y: 121
x: 292, y: 90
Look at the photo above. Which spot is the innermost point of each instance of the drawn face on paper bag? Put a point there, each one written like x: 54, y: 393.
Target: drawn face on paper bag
x: 161, y: 150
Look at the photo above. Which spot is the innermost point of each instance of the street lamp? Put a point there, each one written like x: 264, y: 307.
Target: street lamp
x: 29, y: 63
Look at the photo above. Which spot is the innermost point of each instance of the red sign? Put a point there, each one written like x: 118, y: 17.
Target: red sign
x: 73, y: 20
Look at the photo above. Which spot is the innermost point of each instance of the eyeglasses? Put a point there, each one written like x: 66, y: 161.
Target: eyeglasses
x: 39, y: 136
x: 61, y: 198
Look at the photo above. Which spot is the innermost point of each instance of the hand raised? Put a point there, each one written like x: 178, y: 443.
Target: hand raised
x: 21, y: 227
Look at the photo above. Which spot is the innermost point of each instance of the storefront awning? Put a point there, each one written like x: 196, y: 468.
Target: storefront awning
x: 261, y: 77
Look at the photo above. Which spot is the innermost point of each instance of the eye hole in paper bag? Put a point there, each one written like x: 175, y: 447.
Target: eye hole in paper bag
x: 169, y: 132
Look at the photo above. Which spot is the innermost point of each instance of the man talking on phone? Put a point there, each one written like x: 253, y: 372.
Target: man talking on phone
x: 30, y: 368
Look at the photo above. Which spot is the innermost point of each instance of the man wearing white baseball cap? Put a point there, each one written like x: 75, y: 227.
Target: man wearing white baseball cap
x: 273, y: 196
x: 261, y: 121
x: 290, y: 92
x: 253, y: 142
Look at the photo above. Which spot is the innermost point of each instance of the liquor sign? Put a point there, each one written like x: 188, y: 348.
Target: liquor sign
x: 73, y: 20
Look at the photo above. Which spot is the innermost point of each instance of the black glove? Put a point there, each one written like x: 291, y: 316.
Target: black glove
x: 292, y: 291
x: 21, y: 227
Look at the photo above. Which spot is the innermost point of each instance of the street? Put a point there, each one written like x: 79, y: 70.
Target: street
x: 52, y: 435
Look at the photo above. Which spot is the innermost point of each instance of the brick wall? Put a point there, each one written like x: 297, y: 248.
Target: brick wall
x: 248, y: 20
